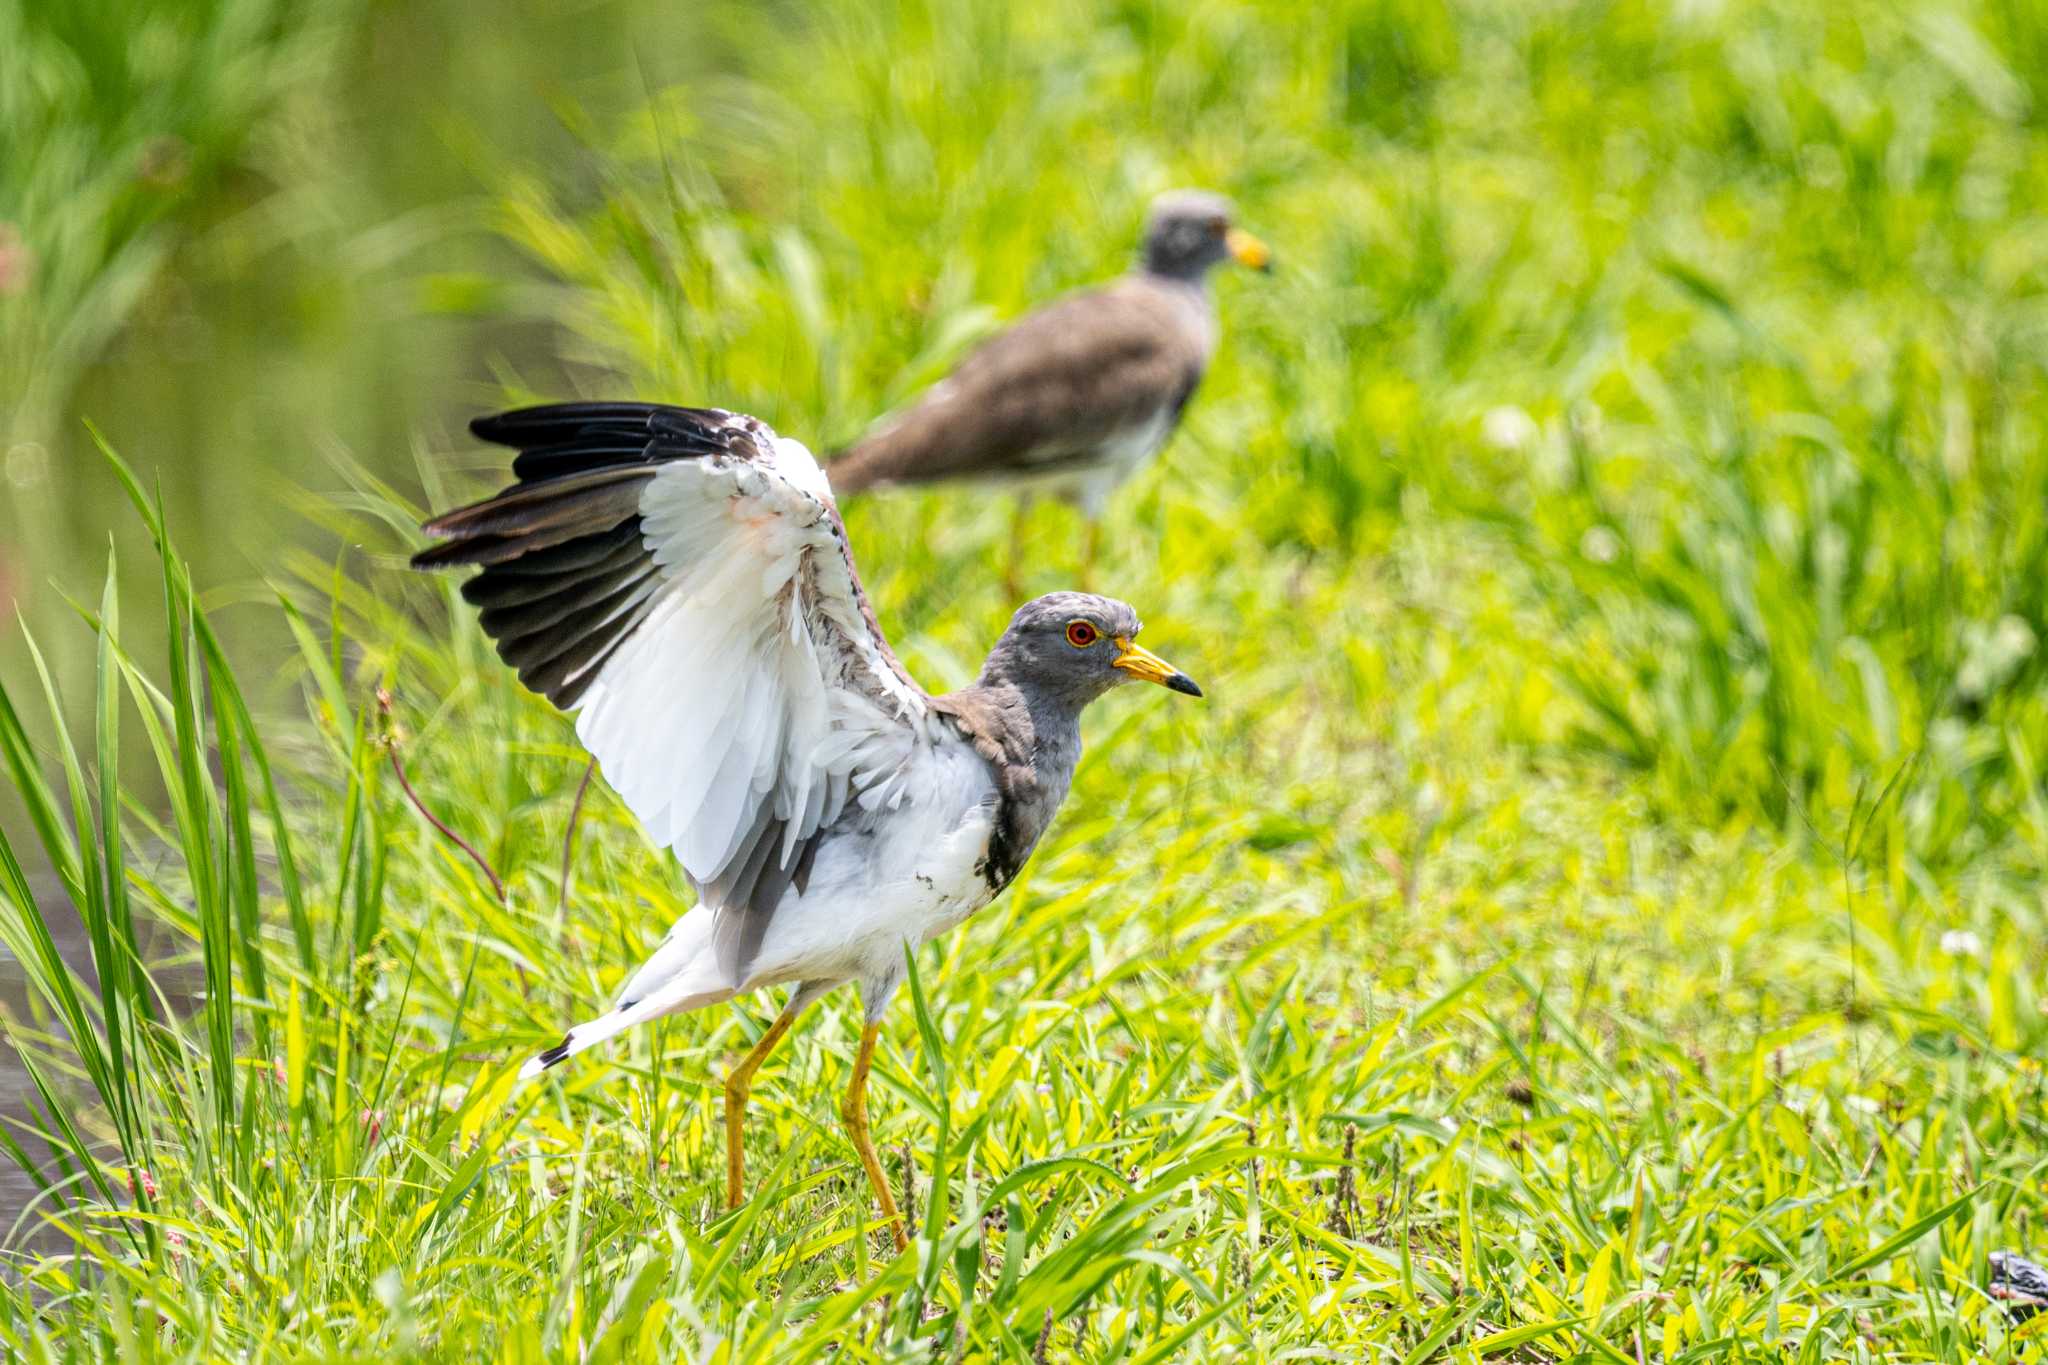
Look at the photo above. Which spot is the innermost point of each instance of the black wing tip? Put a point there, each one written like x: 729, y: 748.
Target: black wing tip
x: 449, y: 556
x: 540, y: 422
x: 487, y: 427
x: 547, y: 421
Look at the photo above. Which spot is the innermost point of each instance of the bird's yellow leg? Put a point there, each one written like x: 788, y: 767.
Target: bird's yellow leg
x: 1013, y: 566
x: 737, y: 1085
x: 855, y: 1113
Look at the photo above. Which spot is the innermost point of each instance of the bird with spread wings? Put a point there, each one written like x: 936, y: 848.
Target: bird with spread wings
x: 680, y: 578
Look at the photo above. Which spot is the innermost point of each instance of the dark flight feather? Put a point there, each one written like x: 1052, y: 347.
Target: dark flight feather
x: 565, y: 569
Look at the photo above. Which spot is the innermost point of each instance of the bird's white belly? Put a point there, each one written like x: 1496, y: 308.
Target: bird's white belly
x: 868, y: 897
x: 1131, y: 449
x: 1088, y: 484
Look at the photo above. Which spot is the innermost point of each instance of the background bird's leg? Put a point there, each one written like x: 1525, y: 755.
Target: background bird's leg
x: 855, y: 1113
x: 1013, y: 563
x: 741, y: 1081
x: 1092, y: 548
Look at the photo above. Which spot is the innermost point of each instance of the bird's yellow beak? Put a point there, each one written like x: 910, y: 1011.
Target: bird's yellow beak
x: 1249, y: 250
x: 1141, y: 662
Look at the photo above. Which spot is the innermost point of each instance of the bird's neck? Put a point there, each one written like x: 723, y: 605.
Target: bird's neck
x: 1056, y: 749
x: 1032, y: 745
x: 1195, y: 280
x: 1040, y: 729
x: 1187, y: 296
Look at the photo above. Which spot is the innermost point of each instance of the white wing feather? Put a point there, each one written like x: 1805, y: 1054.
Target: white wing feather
x: 756, y: 679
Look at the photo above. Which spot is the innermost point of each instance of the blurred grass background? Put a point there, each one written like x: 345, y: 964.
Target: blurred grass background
x: 249, y: 237
x: 1616, y: 542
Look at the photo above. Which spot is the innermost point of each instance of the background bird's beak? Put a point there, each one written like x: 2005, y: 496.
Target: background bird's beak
x: 1141, y: 662
x: 1249, y: 250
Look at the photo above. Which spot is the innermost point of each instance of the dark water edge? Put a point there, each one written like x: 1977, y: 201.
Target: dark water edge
x: 342, y: 302
x: 20, y: 1192
x: 17, y: 1093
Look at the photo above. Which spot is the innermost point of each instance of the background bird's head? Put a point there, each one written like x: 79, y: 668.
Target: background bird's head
x: 1072, y: 647
x: 1187, y: 231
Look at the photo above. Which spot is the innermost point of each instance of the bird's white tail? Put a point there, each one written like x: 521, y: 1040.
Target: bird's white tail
x: 576, y: 1039
x: 681, y: 975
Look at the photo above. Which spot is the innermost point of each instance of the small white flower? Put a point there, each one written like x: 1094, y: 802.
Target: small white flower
x: 1962, y: 943
x: 1600, y: 545
x: 1509, y: 428
x: 26, y: 464
x: 1992, y: 654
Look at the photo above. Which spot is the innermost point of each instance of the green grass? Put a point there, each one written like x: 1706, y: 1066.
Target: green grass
x: 120, y: 117
x: 237, y: 235
x: 1595, y: 914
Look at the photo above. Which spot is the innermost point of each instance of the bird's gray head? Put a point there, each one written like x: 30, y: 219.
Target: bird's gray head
x: 1071, y: 647
x: 1187, y: 231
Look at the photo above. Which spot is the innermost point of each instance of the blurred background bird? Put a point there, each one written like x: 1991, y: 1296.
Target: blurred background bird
x: 1077, y: 397
x: 682, y: 579
x: 2019, y: 1284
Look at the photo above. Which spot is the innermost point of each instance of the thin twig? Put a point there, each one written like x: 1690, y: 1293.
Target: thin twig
x: 910, y: 1219
x: 390, y: 741
x: 569, y: 835
x: 1344, y: 1200
x: 1253, y: 1203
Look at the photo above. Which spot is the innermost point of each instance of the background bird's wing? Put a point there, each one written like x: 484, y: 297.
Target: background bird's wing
x: 1058, y: 384
x: 682, y: 579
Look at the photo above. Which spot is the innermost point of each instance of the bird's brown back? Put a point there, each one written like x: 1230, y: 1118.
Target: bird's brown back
x: 1051, y: 389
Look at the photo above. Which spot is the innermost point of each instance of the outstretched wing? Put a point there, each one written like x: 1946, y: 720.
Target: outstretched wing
x: 681, y: 578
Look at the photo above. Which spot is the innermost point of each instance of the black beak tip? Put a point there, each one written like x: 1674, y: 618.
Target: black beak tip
x: 1183, y: 684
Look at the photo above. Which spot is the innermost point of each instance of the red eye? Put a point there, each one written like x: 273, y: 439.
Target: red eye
x: 1081, y: 635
